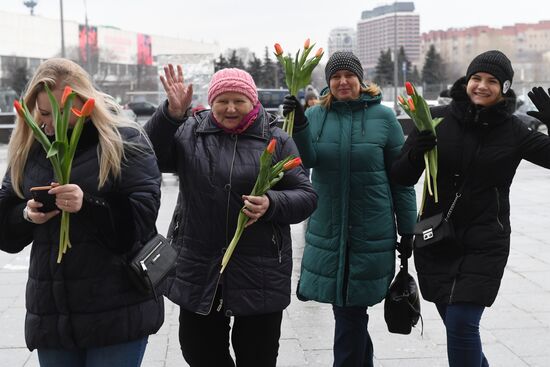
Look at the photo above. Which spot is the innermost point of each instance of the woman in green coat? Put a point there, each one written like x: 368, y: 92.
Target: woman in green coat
x: 350, y: 141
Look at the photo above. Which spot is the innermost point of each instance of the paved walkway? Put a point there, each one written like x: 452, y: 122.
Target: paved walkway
x: 515, y: 331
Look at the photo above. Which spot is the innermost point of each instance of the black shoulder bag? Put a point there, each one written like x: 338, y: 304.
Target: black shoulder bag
x: 152, y: 263
x: 438, y: 228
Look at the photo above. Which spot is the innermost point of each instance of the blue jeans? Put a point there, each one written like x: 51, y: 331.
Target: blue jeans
x: 463, y: 341
x: 352, y: 342
x: 121, y: 355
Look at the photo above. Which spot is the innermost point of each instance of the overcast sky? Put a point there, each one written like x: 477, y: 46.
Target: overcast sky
x: 259, y: 23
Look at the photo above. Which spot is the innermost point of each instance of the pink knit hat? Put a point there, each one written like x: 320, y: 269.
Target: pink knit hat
x: 232, y: 80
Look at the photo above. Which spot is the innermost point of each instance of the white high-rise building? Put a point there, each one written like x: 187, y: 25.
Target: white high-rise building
x: 341, y: 39
x: 380, y: 28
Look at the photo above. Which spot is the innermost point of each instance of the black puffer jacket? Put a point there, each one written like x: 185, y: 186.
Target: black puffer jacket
x: 215, y: 169
x: 88, y: 300
x: 481, y: 219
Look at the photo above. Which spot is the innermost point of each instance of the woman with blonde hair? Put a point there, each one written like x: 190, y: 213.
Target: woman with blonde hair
x: 350, y: 140
x: 83, y: 311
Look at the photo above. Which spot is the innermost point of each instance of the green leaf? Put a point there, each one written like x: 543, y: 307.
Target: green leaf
x: 38, y: 133
x: 55, y: 112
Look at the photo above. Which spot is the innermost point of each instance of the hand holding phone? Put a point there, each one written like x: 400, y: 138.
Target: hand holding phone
x: 40, y: 194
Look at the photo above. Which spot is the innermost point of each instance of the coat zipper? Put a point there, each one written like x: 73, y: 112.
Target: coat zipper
x: 275, y: 241
x: 212, y: 303
x: 452, y: 291
x: 498, y: 209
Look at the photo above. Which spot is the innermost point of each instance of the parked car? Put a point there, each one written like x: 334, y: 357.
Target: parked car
x: 130, y: 114
x: 141, y: 108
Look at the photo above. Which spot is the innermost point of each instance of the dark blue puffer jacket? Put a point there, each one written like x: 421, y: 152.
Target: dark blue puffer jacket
x: 215, y: 169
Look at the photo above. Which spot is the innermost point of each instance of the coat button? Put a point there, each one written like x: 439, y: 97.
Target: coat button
x: 228, y: 313
x: 227, y: 187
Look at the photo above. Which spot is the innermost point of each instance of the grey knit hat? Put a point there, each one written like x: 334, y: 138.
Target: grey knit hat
x: 495, y: 63
x: 343, y: 60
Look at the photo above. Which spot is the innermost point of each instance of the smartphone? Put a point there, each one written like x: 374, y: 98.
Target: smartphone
x: 40, y: 193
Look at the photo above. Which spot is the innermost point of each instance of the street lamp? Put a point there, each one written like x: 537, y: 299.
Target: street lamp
x: 30, y: 4
x: 395, y: 57
x: 88, y: 63
x: 62, y: 31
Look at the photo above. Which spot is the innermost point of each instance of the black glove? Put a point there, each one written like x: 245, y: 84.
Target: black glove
x: 541, y: 100
x: 423, y: 142
x: 290, y: 104
x: 405, y: 246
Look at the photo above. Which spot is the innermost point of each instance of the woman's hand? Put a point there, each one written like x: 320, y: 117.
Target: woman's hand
x: 255, y: 207
x: 38, y: 217
x: 68, y: 197
x: 179, y: 95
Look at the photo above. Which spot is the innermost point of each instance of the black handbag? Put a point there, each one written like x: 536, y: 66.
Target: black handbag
x: 435, y: 230
x: 402, y: 303
x: 152, y: 263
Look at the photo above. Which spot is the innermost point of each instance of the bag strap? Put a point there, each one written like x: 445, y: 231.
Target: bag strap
x: 468, y: 175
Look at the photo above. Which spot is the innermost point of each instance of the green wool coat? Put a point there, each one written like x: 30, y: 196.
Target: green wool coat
x: 349, y: 255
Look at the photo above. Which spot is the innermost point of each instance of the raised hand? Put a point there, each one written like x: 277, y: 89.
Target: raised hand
x: 179, y: 95
x: 541, y: 100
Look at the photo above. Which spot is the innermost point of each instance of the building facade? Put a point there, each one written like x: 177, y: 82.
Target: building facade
x: 119, y: 61
x: 384, y: 27
x: 527, y: 46
x: 341, y: 39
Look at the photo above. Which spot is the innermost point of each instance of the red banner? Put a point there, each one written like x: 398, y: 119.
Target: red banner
x: 87, y: 42
x: 144, y: 50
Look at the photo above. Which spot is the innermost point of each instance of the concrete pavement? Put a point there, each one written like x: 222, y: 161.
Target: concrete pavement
x: 515, y: 331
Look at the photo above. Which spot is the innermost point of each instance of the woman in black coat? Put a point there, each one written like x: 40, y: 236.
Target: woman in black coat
x: 480, y: 145
x: 215, y: 154
x: 84, y: 311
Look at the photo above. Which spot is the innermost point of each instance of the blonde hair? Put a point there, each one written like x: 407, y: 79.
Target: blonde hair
x: 57, y: 73
x: 327, y: 99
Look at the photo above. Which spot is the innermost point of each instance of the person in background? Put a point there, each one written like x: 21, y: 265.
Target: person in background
x: 84, y: 311
x: 480, y: 145
x: 216, y: 156
x: 350, y: 140
x: 310, y: 99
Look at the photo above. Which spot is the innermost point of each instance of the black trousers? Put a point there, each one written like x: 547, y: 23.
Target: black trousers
x: 204, y: 339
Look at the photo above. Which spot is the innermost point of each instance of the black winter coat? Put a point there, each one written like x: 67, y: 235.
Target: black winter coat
x: 472, y: 271
x: 88, y: 300
x: 215, y: 169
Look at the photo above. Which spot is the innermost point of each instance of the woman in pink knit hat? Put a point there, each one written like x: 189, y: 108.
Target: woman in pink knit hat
x: 216, y: 156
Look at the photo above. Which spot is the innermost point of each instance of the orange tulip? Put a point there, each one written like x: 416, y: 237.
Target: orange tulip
x: 271, y: 147
x: 66, y: 93
x: 19, y: 108
x: 400, y: 99
x: 409, y: 88
x: 278, y: 49
x: 319, y: 53
x: 306, y: 44
x: 86, y: 109
x: 293, y: 163
x: 411, y: 104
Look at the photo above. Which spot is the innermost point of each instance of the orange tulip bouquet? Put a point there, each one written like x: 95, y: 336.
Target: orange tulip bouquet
x: 417, y: 108
x: 297, y: 73
x: 61, y: 151
x: 268, y: 176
